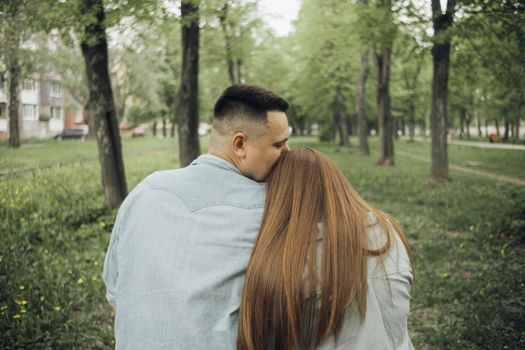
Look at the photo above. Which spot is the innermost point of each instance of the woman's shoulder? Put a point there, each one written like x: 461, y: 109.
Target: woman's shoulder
x: 394, y: 260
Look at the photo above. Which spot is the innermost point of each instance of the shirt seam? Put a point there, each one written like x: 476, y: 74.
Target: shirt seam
x: 206, y: 205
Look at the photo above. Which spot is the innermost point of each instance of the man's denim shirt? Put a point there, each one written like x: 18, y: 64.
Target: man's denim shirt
x: 177, y: 257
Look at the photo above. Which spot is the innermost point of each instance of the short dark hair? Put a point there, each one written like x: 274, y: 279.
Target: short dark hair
x: 248, y: 101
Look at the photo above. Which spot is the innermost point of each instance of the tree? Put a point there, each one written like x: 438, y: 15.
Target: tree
x: 101, y: 104
x: 325, y: 65
x: 12, y: 18
x: 382, y: 53
x: 187, y: 105
x: 439, y: 115
x: 360, y: 102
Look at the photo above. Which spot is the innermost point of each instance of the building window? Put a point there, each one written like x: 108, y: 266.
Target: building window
x: 29, y: 112
x: 29, y: 85
x: 56, y: 89
x: 55, y: 113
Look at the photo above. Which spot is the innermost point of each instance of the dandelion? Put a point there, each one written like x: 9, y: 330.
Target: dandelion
x: 95, y: 263
x: 94, y: 278
x: 23, y: 311
x: 17, y: 316
x: 80, y: 281
x: 56, y: 308
x: 42, y: 298
x: 21, y: 287
x: 21, y: 302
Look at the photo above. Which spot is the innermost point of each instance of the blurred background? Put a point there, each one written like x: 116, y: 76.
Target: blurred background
x: 419, y: 102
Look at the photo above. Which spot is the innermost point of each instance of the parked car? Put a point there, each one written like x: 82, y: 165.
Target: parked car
x: 139, y: 131
x: 77, y: 132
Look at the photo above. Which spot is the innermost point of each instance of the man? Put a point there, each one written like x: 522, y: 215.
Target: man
x: 182, y: 239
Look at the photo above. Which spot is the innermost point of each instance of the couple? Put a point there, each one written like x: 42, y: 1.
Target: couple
x: 212, y: 257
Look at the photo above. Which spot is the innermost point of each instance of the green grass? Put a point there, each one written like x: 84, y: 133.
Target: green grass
x: 496, y: 161
x: 467, y: 239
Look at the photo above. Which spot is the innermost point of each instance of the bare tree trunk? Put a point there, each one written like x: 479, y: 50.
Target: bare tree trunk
x: 342, y: 118
x: 462, y: 113
x: 486, y: 128
x: 12, y: 49
x: 441, y: 57
x: 411, y: 122
x: 478, y: 125
x: 506, y: 130
x: 360, y: 102
x: 497, y: 126
x: 187, y: 107
x: 14, y: 105
x: 223, y: 17
x: 164, y: 130
x: 154, y: 128
x: 385, y: 122
x: 516, y: 130
x: 101, y: 104
x: 240, y: 78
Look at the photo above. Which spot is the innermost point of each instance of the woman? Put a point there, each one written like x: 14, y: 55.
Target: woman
x: 328, y: 270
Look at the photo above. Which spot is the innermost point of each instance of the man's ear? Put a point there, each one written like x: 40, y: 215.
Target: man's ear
x: 239, y: 144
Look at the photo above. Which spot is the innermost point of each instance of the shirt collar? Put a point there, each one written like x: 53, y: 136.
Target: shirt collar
x: 211, y: 160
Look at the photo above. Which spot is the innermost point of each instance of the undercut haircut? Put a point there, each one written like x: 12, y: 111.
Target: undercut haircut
x: 244, y: 107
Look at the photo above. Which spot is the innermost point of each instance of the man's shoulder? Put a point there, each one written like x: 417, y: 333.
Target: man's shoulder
x: 199, y: 187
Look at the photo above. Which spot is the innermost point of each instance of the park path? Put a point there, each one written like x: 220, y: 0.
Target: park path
x: 508, y: 179
x: 476, y: 144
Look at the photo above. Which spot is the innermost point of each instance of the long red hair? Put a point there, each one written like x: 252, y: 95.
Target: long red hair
x: 287, y: 299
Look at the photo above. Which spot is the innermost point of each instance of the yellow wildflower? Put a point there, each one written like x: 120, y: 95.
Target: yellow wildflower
x: 21, y: 302
x: 16, y: 316
x: 21, y: 287
x: 56, y: 308
x: 80, y: 281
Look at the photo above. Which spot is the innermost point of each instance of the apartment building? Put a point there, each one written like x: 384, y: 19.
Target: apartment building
x: 41, y: 107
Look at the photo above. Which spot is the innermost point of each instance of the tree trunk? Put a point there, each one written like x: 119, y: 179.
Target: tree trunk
x: 164, y: 129
x: 12, y: 46
x: 223, y: 17
x: 478, y: 125
x: 240, y: 78
x: 441, y: 58
x: 14, y: 103
x: 360, y: 103
x: 342, y: 118
x: 497, y: 126
x: 516, y: 131
x: 506, y: 130
x: 462, y: 114
x: 101, y: 104
x: 187, y: 107
x: 172, y: 131
x: 411, y: 122
x: 385, y: 122
x: 486, y: 128
x: 154, y: 128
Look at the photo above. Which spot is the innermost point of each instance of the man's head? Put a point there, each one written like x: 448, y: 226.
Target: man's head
x: 250, y: 129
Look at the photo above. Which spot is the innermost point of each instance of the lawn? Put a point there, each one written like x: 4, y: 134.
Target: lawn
x: 467, y: 239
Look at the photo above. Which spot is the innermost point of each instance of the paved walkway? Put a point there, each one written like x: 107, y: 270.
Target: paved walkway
x: 477, y: 144
x: 508, y: 179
